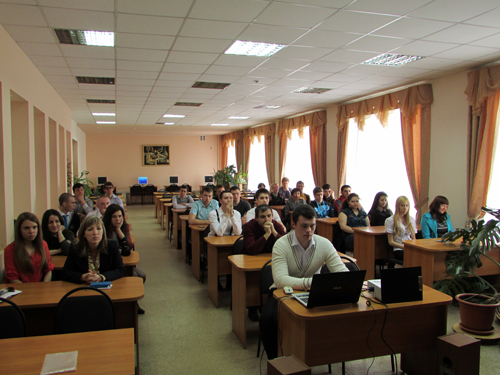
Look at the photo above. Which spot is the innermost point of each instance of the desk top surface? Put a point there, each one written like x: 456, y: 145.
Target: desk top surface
x: 184, y: 217
x: 328, y: 220
x: 48, y: 294
x: 198, y: 228
x: 131, y: 260
x: 223, y: 241
x: 99, y: 352
x: 280, y: 207
x: 431, y: 297
x: 179, y: 210
x: 433, y: 245
x: 249, y: 262
x: 379, y: 230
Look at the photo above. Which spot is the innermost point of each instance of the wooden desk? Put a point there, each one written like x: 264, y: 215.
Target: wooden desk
x: 325, y: 227
x: 185, y: 235
x: 218, y: 249
x: 166, y: 216
x: 337, y: 334
x: 129, y: 262
x: 39, y: 301
x: 279, y: 210
x: 370, y: 243
x: 99, y: 352
x: 197, y: 246
x: 176, y: 212
x: 245, y: 290
x: 161, y: 209
x: 430, y: 254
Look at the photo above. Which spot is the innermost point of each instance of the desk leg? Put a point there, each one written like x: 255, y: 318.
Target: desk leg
x: 196, y: 248
x: 126, y: 317
x: 239, y: 305
x: 184, y: 240
x: 176, y: 230
x: 213, y: 275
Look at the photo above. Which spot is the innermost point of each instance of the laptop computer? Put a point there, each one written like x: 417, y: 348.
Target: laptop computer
x: 330, y: 289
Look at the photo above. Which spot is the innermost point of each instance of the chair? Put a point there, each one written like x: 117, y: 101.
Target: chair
x: 148, y: 192
x: 174, y: 188
x: 136, y: 191
x: 13, y: 321
x: 167, y: 195
x: 238, y: 246
x: 84, y: 313
x: 265, y: 282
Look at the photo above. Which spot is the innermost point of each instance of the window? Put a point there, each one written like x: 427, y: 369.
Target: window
x: 298, y: 165
x: 375, y: 162
x: 493, y: 199
x: 257, y: 169
x: 231, y: 156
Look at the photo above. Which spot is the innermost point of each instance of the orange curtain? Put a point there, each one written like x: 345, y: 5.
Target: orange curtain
x: 483, y: 95
x: 223, y: 155
x: 342, y: 157
x: 414, y: 104
x: 283, y: 143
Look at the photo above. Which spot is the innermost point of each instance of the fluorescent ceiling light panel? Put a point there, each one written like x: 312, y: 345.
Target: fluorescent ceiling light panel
x: 390, y: 59
x: 219, y: 125
x: 168, y: 123
x: 103, y: 114
x: 105, y: 122
x: 262, y: 106
x: 174, y: 116
x: 86, y: 37
x: 310, y: 90
x: 253, y: 49
x: 238, y: 118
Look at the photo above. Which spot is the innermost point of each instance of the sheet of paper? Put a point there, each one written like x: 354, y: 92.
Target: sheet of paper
x: 57, y: 363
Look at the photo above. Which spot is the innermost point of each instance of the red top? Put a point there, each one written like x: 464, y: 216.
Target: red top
x: 12, y: 273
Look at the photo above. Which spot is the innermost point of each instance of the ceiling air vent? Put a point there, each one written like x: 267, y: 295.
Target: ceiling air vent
x: 210, y: 85
x: 96, y: 80
x: 187, y: 104
x: 101, y: 101
x: 310, y: 90
x: 202, y: 138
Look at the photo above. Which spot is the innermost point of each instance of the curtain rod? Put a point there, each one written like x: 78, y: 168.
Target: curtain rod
x: 383, y: 93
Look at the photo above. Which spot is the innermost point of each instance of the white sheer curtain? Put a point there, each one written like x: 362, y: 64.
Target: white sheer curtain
x: 257, y: 169
x: 298, y: 165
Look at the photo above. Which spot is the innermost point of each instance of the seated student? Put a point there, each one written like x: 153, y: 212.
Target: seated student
x: 328, y: 194
x: 400, y: 227
x: 182, y: 201
x: 58, y: 238
x: 113, y: 199
x: 102, y: 203
x: 71, y: 220
x: 436, y: 222
x: 275, y: 199
x: 296, y: 257
x: 84, y: 205
x: 200, y: 209
x: 225, y: 221
x: 345, y: 190
x: 239, y: 204
x: 380, y: 210
x: 323, y: 209
x: 27, y: 259
x: 216, y: 194
x: 352, y: 216
x: 291, y: 204
x: 260, y: 233
x: 262, y: 197
x: 93, y: 258
x: 261, y: 186
x: 304, y: 196
x: 284, y: 190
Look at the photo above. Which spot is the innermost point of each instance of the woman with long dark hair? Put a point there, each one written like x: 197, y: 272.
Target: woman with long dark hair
x: 27, y: 259
x: 352, y: 216
x: 436, y: 222
x: 116, y: 227
x: 380, y: 210
x: 55, y: 235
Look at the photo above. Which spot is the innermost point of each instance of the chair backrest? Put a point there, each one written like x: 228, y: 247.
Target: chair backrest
x: 173, y: 188
x: 2, y: 267
x: 136, y: 189
x: 351, y: 266
x: 12, y: 318
x: 265, y: 280
x: 238, y: 246
x: 84, y: 313
x: 150, y: 189
x: 167, y: 195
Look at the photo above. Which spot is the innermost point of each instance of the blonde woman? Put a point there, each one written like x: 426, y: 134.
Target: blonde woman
x: 400, y: 226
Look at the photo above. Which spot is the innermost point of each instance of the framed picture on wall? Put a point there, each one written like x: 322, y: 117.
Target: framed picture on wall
x: 155, y: 155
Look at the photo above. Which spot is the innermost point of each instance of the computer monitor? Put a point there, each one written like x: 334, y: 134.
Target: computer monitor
x: 101, y: 180
x: 142, y: 180
x: 174, y: 179
x: 209, y: 179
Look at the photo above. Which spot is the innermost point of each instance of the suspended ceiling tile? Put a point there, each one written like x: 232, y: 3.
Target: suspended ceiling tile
x: 148, y: 41
x: 85, y: 72
x: 211, y: 29
x: 275, y: 63
x: 184, y: 68
x: 395, y: 7
x: 166, y: 77
x: 326, y: 39
x: 134, y: 82
x: 412, y: 28
x: 293, y: 15
x: 79, y: 19
x: 192, y: 57
x: 137, y: 54
x: 48, y: 61
x: 190, y: 44
x: 302, y: 53
x: 134, y: 74
x: 377, y: 44
x: 14, y: 14
x: 353, y: 57
x: 31, y: 34
x: 91, y: 63
x: 139, y: 65
x: 466, y: 53
x: 55, y: 70
x: 462, y: 34
x: 454, y: 10
x: 130, y: 23
x: 89, y: 52
x: 355, y: 22
x: 491, y: 41
x: 424, y: 48
x: 172, y: 8
x: 42, y: 49
x: 234, y: 10
x: 271, y: 34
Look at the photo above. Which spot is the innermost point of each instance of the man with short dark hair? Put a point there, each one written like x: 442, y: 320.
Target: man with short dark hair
x: 113, y: 199
x: 291, y: 204
x: 67, y: 205
x: 201, y: 209
x: 345, y: 190
x: 304, y: 196
x: 260, y: 234
x: 182, y: 201
x: 84, y: 205
x: 240, y: 205
x: 262, y: 197
x: 102, y: 204
x: 216, y: 194
x: 323, y: 209
x: 328, y: 194
x: 284, y: 190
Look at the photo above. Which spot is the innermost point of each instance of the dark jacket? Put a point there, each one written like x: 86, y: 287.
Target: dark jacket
x: 253, y: 238
x: 111, y: 265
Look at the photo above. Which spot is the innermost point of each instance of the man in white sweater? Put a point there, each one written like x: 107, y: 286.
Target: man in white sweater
x: 297, y: 256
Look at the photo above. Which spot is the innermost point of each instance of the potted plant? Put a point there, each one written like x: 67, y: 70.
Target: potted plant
x: 470, y: 290
x: 228, y: 176
x: 84, y: 180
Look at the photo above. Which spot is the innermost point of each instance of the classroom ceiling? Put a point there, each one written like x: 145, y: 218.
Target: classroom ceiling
x: 162, y: 47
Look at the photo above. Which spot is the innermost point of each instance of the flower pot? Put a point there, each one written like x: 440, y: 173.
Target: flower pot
x: 476, y: 317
